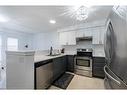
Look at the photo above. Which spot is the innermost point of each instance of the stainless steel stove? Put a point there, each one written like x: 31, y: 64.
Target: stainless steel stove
x: 83, y: 62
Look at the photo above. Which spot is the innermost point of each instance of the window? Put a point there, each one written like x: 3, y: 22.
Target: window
x: 12, y: 44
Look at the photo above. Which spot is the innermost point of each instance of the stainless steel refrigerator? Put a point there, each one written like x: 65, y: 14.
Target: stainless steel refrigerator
x: 116, y: 49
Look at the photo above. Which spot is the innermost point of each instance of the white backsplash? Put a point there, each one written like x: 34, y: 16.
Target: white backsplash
x: 41, y: 52
x: 73, y: 48
x: 98, y: 50
x: 46, y: 52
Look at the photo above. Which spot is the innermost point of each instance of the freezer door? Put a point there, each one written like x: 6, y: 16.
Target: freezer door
x: 111, y: 81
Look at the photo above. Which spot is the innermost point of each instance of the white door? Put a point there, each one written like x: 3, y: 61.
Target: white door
x: 2, y: 65
x: 5, y: 44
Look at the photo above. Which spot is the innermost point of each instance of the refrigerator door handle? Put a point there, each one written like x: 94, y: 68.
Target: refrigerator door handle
x: 118, y: 82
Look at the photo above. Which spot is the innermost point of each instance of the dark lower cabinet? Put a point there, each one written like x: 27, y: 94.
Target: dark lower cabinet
x: 70, y: 63
x: 62, y: 64
x: 59, y: 67
x: 98, y: 67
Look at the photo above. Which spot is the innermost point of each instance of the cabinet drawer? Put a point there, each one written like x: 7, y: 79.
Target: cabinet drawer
x: 98, y: 64
x: 98, y: 68
x: 70, y: 63
x: 99, y: 59
x: 99, y: 74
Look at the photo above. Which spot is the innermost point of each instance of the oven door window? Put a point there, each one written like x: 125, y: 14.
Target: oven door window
x: 82, y: 62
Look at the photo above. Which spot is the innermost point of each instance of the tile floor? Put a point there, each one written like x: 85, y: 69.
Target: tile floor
x: 81, y: 82
x: 78, y: 82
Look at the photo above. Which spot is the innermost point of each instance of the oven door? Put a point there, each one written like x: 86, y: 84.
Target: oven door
x: 83, y: 63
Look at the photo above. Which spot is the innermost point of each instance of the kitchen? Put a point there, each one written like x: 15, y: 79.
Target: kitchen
x: 54, y: 47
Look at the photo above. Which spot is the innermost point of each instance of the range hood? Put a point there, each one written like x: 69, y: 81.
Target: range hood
x: 87, y: 38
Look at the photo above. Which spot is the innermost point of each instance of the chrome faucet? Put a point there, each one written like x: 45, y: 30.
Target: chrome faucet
x: 51, y: 49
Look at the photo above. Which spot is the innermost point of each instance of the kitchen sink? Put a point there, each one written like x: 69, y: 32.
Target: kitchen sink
x: 54, y: 55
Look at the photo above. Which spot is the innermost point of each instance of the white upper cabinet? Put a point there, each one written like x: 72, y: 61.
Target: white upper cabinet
x: 80, y: 33
x: 98, y: 35
x: 71, y: 37
x: 95, y: 29
x: 67, y: 38
x: 63, y: 38
x: 103, y: 31
x: 88, y: 32
x: 84, y: 32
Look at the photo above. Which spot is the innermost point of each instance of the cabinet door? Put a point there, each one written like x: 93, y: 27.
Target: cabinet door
x: 88, y: 32
x: 96, y: 36
x: 98, y: 67
x: 63, y: 38
x: 70, y: 63
x: 71, y: 37
x: 63, y: 64
x: 67, y: 38
x: 56, y: 68
x: 84, y: 32
x: 102, y: 33
x: 59, y: 67
x: 80, y: 33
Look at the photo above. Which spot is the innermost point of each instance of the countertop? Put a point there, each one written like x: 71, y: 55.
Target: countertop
x: 98, y: 54
x: 38, y: 58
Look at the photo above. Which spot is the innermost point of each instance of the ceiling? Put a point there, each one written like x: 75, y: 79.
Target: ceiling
x: 33, y: 19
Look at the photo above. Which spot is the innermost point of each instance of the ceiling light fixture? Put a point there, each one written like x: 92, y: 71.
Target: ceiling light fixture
x: 78, y: 12
x: 52, y: 21
x: 3, y: 18
x: 81, y: 13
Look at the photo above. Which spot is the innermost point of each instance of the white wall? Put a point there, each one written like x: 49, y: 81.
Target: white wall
x: 43, y: 41
x: 23, y: 38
